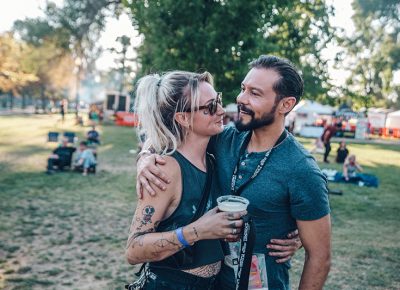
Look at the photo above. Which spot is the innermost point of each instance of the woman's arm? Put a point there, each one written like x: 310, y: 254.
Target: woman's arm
x: 145, y: 244
x: 359, y: 168
x: 345, y: 175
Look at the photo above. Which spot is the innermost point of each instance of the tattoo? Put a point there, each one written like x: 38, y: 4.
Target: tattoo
x: 205, y: 271
x: 195, y: 232
x: 148, y: 212
x: 137, y: 238
x: 161, y: 244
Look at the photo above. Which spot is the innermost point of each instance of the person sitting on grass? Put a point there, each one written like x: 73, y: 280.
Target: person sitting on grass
x: 61, y: 157
x: 342, y: 152
x: 85, y: 159
x: 350, y: 168
x: 93, y: 137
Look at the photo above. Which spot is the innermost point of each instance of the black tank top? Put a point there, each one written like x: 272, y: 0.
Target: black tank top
x: 193, y: 181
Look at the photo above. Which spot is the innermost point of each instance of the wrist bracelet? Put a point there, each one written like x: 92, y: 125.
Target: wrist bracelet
x: 181, y: 238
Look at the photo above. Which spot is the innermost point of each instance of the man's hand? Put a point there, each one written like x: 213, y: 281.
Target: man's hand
x: 285, y: 249
x: 149, y: 175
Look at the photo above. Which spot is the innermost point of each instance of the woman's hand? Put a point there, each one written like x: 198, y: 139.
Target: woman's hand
x: 219, y: 225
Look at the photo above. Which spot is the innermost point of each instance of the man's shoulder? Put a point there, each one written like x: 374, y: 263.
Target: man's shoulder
x: 295, y: 154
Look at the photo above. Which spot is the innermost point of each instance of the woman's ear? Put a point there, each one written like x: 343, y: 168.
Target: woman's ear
x: 182, y: 119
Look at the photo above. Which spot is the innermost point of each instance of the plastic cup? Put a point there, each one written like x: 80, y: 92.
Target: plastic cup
x: 232, y: 203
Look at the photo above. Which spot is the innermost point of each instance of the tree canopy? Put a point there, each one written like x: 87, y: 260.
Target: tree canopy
x: 223, y: 36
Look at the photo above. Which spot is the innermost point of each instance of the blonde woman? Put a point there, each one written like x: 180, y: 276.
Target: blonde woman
x: 350, y: 168
x: 179, y: 112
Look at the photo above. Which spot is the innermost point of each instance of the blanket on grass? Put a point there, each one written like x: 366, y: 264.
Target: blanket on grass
x: 361, y: 179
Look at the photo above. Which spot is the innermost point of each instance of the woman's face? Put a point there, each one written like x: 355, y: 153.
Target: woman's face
x: 204, y: 123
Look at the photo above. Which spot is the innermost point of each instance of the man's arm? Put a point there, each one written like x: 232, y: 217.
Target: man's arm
x: 316, y: 238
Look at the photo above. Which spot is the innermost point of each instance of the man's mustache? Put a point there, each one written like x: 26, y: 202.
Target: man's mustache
x: 243, y: 108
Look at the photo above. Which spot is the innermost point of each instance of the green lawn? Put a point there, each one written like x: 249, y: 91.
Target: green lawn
x: 67, y: 231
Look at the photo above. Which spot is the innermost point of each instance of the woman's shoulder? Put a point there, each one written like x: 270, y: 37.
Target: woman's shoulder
x: 171, y: 168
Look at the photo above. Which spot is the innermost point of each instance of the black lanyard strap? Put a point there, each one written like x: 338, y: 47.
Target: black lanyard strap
x: 259, y: 167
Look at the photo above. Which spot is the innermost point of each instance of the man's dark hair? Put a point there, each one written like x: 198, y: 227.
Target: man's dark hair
x: 84, y: 143
x: 290, y: 84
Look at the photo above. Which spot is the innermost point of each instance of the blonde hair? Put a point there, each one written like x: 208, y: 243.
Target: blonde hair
x: 349, y: 158
x: 158, y: 98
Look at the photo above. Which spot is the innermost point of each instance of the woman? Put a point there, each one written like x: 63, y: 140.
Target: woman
x: 179, y: 112
x: 350, y: 168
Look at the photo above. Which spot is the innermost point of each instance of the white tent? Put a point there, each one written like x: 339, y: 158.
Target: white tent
x: 311, y: 107
x: 306, y: 113
x: 393, y: 120
x: 377, y: 117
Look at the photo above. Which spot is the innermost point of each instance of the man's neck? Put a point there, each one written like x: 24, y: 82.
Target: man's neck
x: 264, y: 138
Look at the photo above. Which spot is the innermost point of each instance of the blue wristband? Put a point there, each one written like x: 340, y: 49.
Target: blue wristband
x: 181, y: 238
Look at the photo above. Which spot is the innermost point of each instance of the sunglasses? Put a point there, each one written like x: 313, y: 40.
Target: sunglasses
x: 211, y: 107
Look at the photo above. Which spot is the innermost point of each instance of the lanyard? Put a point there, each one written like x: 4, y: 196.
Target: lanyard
x: 259, y: 166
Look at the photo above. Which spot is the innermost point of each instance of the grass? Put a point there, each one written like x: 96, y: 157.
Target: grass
x: 63, y: 231
x: 67, y: 231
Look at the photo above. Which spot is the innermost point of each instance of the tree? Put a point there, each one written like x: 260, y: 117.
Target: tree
x: 374, y: 50
x: 48, y: 57
x: 83, y: 21
x: 13, y: 75
x: 223, y: 36
x: 122, y: 61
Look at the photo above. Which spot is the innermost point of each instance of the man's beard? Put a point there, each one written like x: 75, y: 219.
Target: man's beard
x: 266, y: 119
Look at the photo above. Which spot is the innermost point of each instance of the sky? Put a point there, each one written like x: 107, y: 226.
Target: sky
x: 20, y: 9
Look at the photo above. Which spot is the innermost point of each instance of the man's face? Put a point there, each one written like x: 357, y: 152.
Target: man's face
x: 257, y: 100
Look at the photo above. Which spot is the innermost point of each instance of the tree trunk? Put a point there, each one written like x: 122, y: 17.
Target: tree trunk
x: 43, y: 98
x: 11, y: 100
x: 23, y: 101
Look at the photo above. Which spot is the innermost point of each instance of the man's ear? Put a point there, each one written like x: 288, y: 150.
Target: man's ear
x: 287, y: 105
x: 182, y: 119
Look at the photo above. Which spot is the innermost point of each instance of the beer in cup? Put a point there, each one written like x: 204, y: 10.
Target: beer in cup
x: 232, y: 203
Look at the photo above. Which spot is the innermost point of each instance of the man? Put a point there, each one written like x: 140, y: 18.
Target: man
x: 274, y: 172
x: 85, y: 159
x: 61, y: 157
x: 328, y: 133
x: 93, y: 137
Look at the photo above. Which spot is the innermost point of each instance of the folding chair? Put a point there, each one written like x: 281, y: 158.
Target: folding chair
x: 70, y: 136
x: 52, y: 137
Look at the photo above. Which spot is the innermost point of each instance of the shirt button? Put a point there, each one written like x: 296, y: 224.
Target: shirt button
x: 240, y: 177
x: 243, y: 163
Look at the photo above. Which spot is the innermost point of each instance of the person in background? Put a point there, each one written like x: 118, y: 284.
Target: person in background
x: 61, y: 157
x: 350, y: 169
x: 85, y: 159
x: 62, y: 110
x: 93, y: 137
x: 342, y: 153
x: 328, y: 133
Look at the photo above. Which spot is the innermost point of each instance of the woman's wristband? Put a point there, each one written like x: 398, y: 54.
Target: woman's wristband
x: 181, y: 238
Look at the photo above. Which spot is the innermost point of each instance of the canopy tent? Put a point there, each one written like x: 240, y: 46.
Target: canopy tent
x: 393, y: 120
x: 377, y: 117
x: 307, y: 107
x: 307, y: 112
